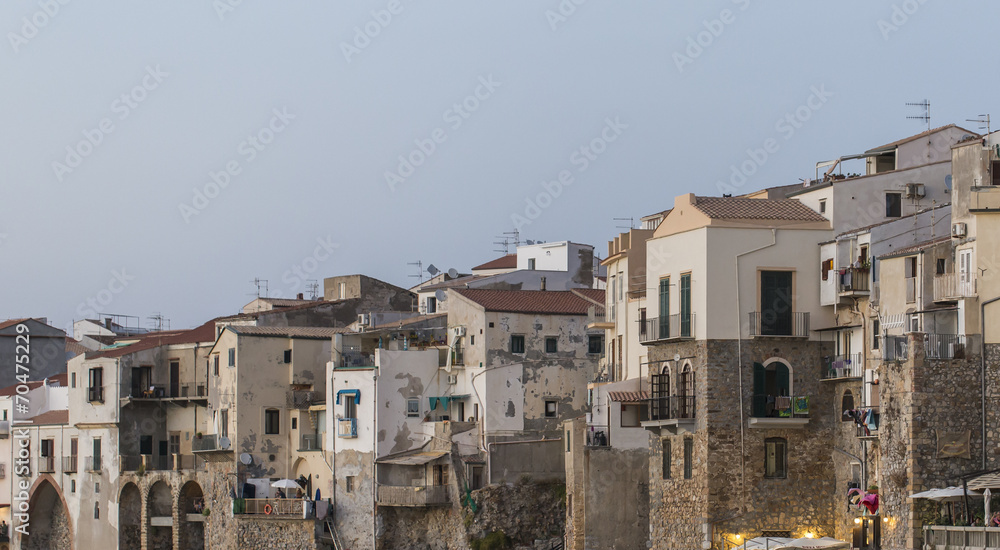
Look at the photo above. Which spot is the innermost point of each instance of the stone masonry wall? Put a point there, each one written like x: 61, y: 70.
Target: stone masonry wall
x: 271, y: 534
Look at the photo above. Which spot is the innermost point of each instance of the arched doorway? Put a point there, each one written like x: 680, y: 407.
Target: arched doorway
x: 685, y: 392
x: 130, y: 518
x: 50, y: 527
x: 191, y: 504
x: 161, y: 517
x: 303, y: 474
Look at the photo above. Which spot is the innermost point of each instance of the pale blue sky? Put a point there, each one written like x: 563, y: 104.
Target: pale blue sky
x: 202, y: 83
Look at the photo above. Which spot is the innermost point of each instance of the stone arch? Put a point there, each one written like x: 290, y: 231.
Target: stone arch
x: 791, y: 371
x: 51, y: 526
x: 301, y: 470
x: 160, y: 514
x: 685, y: 390
x: 846, y: 404
x: 190, y: 503
x: 130, y: 517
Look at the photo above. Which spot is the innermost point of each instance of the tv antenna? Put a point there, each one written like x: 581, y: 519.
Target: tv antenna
x: 260, y: 283
x: 984, y: 123
x: 926, y: 117
x: 420, y: 270
x: 506, y: 241
x: 313, y: 286
x: 159, y: 321
x: 631, y: 223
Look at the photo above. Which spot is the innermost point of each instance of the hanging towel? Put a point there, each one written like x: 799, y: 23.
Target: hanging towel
x: 782, y: 402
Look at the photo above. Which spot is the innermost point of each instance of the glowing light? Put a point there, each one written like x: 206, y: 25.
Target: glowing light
x: 857, y: 520
x: 737, y: 536
x: 810, y: 535
x: 885, y: 520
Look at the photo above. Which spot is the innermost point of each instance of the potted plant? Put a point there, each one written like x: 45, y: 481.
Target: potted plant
x: 206, y: 512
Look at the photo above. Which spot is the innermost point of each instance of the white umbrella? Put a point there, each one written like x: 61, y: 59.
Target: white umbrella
x: 805, y: 543
x: 762, y: 543
x: 986, y: 516
x: 286, y: 484
x: 948, y: 494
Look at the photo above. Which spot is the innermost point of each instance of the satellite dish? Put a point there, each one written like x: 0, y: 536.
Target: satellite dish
x: 433, y: 270
x: 224, y: 442
x: 245, y: 458
x: 441, y: 295
x: 453, y: 273
x: 677, y: 357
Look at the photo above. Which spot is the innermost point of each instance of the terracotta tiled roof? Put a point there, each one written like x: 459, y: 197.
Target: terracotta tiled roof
x: 10, y: 322
x: 52, y: 417
x: 918, y: 136
x: 74, y: 347
x: 505, y: 262
x: 735, y: 208
x: 289, y: 332
x: 204, y: 333
x: 410, y: 321
x: 284, y: 302
x: 458, y: 281
x: 57, y: 380
x: 557, y: 302
x: 917, y: 247
x: 627, y: 396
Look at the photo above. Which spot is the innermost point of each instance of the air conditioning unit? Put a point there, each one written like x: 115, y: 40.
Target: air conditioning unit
x: 958, y: 229
x: 452, y: 379
x: 458, y: 331
x: 914, y: 190
x: 364, y: 319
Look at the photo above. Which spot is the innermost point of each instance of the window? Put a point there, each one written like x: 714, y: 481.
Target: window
x: 631, y: 415
x: 551, y: 408
x: 685, y: 305
x: 295, y: 423
x: 567, y: 440
x: 97, y: 487
x: 271, y: 418
x: 224, y: 422
x: 621, y: 286
x: 595, y: 344
x: 342, y: 291
x: 175, y: 443
x: 350, y: 407
x: 664, y: 328
x: 472, y: 339
x: 48, y: 446
x: 893, y: 205
x: 775, y: 458
x: 826, y: 267
x: 412, y: 407
x: 875, y: 333
x: 551, y: 344
x: 95, y: 391
x: 770, y: 384
x: 97, y: 511
x: 215, y: 361
x: 72, y: 485
x: 517, y: 343
x: 665, y: 445
x: 288, y: 356
x: 349, y: 484
x: 72, y: 380
x: 440, y: 474
x: 145, y: 444
x: 531, y: 263
x: 431, y: 304
x: 776, y: 314
x: 940, y: 266
x: 846, y: 404
x: 232, y: 357
x: 96, y: 457
x: 688, y: 458
x: 822, y: 206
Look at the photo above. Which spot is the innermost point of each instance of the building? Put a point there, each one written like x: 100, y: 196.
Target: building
x: 46, y: 355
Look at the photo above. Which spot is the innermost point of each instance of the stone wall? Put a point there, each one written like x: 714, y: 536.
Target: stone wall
x: 270, y: 534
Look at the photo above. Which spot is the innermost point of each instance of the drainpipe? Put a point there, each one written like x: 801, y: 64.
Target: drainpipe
x: 982, y: 353
x: 374, y: 462
x: 739, y: 348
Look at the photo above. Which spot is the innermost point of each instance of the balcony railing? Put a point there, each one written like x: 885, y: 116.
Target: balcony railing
x: 867, y: 423
x: 95, y: 394
x: 940, y: 537
x: 69, y: 464
x: 854, y: 279
x: 130, y: 463
x: 351, y: 356
x: 665, y: 328
x: 299, y: 399
x: 911, y: 290
x: 670, y: 408
x: 311, y: 442
x: 894, y: 348
x: 842, y: 366
x: 46, y: 464
x: 92, y: 463
x: 269, y: 506
x: 784, y: 323
x: 188, y: 462
x: 412, y: 496
x: 209, y: 442
x: 952, y: 287
x: 347, y: 427
x: 780, y: 406
x: 945, y: 346
x: 458, y: 356
x: 598, y: 436
x: 193, y: 390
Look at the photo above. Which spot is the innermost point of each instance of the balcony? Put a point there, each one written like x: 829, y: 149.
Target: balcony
x: 941, y: 537
x: 598, y: 436
x: 950, y: 346
x: 69, y: 464
x: 435, y: 495
x: 347, y: 428
x: 299, y: 399
x: 92, y: 463
x: 867, y: 423
x: 311, y: 442
x: 160, y: 392
x: 597, y: 319
x: 911, y: 290
x: 839, y: 367
x: 95, y: 394
x: 779, y: 411
x: 188, y: 462
x: 793, y: 324
x: 352, y: 356
x: 130, y: 463
x: 211, y: 443
x: 4, y: 429
x: 854, y: 281
x: 951, y: 287
x: 672, y: 327
x: 270, y: 507
x: 894, y: 348
x: 45, y: 464
x: 673, y: 413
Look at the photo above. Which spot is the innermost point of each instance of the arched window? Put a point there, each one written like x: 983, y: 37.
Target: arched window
x: 660, y: 406
x: 771, y: 389
x: 846, y: 404
x: 685, y: 392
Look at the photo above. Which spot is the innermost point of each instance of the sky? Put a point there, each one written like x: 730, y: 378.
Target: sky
x: 157, y: 157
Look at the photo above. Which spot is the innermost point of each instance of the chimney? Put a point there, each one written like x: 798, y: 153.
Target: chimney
x: 299, y: 296
x: 107, y: 323
x: 543, y: 283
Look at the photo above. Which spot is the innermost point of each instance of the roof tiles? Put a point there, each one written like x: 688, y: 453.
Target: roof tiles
x: 555, y: 302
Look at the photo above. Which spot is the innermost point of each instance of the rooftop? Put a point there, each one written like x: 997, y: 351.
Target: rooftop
x: 899, y: 142
x: 204, y: 333
x: 737, y: 208
x: 289, y: 332
x: 552, y: 302
x: 504, y: 262
x: 917, y: 247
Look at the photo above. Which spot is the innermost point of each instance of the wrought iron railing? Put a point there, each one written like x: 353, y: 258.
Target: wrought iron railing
x: 300, y: 399
x: 69, y: 464
x: 779, y: 323
x: 311, y: 442
x: 951, y: 286
x: 855, y: 279
x: 46, y: 464
x: 665, y: 328
x: 843, y: 366
x: 210, y: 442
x: 945, y: 346
x: 598, y: 436
x: 670, y: 407
x: 347, y: 427
x: 92, y: 463
x: 894, y: 348
x: 780, y: 406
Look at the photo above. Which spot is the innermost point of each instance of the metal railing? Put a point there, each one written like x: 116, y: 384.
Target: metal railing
x: 188, y: 462
x: 786, y: 323
x: 95, y: 394
x: 854, y: 279
x: 311, y: 442
x: 270, y: 506
x: 598, y: 436
x: 92, y: 463
x: 45, y: 464
x: 130, y: 463
x: 299, y: 399
x: 209, y: 442
x: 69, y: 464
x: 911, y: 290
x: 951, y: 286
x: 665, y: 328
x: 945, y: 346
x: 780, y: 406
x: 670, y: 408
x: 193, y: 390
x: 867, y: 425
x: 351, y: 356
x: 347, y: 427
x: 940, y: 537
x: 843, y: 366
x: 894, y: 348
x: 412, y: 496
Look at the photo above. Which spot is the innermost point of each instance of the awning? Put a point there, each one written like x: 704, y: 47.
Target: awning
x: 415, y: 459
x: 627, y: 396
x: 355, y: 393
x: 445, y: 400
x: 841, y: 327
x: 987, y: 481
